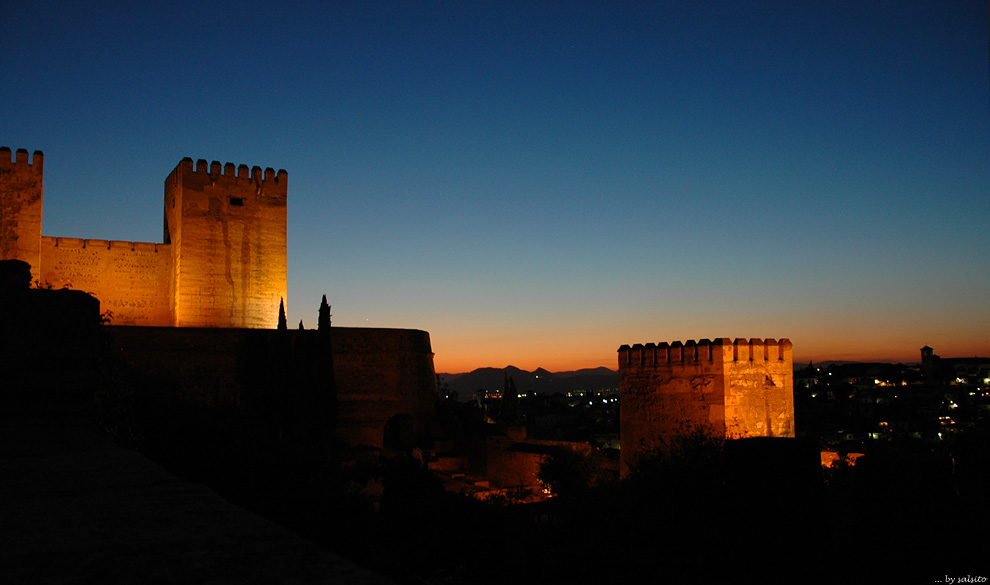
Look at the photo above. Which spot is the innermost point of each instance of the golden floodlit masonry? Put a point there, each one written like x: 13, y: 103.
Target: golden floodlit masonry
x: 221, y: 262
x: 733, y: 389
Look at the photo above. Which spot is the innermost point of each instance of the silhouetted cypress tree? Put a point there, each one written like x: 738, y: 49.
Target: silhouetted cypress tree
x: 323, y: 324
x: 326, y: 376
x: 282, y: 325
x: 280, y: 385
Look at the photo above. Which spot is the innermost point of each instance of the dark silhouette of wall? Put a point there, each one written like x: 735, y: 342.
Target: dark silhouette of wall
x: 284, y: 376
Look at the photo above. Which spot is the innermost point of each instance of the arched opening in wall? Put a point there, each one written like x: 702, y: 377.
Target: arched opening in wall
x: 399, y: 432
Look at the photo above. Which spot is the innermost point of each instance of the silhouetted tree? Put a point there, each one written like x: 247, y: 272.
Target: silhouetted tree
x: 327, y: 376
x: 15, y: 276
x: 323, y: 324
x: 282, y: 325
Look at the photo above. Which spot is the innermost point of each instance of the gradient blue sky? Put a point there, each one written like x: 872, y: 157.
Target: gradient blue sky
x: 536, y: 184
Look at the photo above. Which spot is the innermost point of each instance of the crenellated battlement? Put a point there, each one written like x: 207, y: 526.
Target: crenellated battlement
x: 21, y: 159
x: 718, y: 350
x: 731, y: 388
x: 267, y: 182
x: 94, y: 244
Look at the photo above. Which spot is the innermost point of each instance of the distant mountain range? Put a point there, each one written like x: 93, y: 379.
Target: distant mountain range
x: 547, y: 383
x: 540, y: 380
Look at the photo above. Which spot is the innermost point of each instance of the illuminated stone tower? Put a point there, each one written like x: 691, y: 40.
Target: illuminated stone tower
x: 732, y: 389
x: 222, y: 262
x: 226, y: 227
x: 21, y: 199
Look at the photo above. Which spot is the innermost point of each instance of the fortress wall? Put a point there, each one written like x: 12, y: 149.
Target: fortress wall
x: 379, y: 373
x: 759, y: 399
x: 129, y: 278
x: 668, y: 390
x: 228, y: 226
x: 21, y: 199
x: 188, y: 364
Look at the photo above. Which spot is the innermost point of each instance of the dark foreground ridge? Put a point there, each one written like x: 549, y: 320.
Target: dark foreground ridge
x: 77, y: 508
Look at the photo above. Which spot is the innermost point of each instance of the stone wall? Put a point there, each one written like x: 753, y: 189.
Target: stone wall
x: 667, y: 397
x: 730, y: 388
x: 131, y: 279
x: 759, y: 399
x: 379, y: 375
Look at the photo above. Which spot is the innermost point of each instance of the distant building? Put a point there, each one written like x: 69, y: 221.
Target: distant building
x: 928, y: 358
x: 965, y: 370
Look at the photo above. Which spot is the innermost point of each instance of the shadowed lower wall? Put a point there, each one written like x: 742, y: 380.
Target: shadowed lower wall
x: 378, y: 375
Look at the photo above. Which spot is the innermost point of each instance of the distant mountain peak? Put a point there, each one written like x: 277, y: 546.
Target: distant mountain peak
x: 539, y: 380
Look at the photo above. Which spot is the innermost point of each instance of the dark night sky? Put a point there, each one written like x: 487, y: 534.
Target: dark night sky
x: 537, y: 185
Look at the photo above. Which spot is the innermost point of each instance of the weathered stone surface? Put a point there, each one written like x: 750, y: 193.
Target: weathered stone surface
x: 731, y: 388
x: 77, y: 509
x: 228, y: 235
x: 131, y: 279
